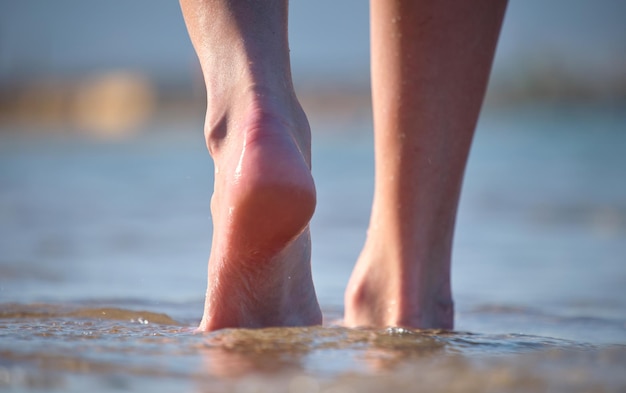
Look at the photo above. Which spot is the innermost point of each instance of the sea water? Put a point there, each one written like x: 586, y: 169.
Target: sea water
x: 103, y: 249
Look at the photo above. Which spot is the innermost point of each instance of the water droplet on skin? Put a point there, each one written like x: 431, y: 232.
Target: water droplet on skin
x: 239, y: 168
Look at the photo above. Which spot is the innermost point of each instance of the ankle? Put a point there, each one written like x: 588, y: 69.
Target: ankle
x: 255, y: 112
x: 389, y: 289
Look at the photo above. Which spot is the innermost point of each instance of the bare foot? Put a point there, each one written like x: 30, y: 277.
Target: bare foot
x: 259, y: 268
x: 381, y: 293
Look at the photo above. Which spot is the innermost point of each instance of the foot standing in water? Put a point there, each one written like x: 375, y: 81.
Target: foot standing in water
x: 430, y: 66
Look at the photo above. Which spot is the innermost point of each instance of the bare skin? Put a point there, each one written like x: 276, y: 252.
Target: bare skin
x: 259, y: 269
x: 430, y: 65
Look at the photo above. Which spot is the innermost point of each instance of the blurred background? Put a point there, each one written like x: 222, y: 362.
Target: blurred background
x: 105, y: 180
x: 111, y: 67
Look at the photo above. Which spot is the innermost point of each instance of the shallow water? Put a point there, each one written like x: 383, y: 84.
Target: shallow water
x: 103, y: 249
x: 48, y: 347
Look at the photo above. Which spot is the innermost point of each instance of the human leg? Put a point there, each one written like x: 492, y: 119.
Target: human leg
x: 430, y: 66
x: 259, y: 269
